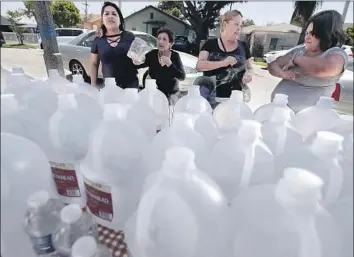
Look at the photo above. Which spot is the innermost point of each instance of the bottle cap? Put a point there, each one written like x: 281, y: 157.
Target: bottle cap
x: 280, y: 99
x: 85, y: 246
x: 236, y: 96
x: 193, y: 91
x: 38, y: 199
x: 150, y: 84
x: 71, y: 213
x: 110, y: 82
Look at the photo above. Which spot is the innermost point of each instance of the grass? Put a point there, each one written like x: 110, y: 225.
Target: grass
x: 19, y: 46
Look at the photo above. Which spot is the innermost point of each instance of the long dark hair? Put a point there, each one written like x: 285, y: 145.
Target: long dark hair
x: 122, y: 23
x: 328, y: 28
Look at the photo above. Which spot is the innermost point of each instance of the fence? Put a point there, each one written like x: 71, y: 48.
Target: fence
x: 28, y: 38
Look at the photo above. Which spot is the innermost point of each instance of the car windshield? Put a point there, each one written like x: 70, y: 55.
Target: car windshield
x: 180, y: 38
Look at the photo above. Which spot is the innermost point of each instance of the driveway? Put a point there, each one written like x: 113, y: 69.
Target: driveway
x: 33, y: 63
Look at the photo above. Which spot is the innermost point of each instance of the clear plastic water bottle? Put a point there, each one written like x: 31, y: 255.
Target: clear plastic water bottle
x: 87, y: 246
x: 241, y: 160
x: 315, y: 118
x: 41, y: 219
x: 138, y: 49
x: 229, y: 114
x: 181, y: 197
x: 285, y: 219
x: 74, y: 223
x: 265, y: 112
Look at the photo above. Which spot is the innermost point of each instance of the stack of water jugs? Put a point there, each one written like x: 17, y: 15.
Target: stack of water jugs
x: 190, y: 182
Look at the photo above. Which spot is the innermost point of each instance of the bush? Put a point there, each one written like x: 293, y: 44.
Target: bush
x: 257, y: 48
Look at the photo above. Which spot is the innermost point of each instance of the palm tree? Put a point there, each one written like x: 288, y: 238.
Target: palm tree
x: 304, y: 10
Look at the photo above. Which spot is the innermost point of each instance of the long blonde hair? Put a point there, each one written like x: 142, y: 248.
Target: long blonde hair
x: 227, y: 16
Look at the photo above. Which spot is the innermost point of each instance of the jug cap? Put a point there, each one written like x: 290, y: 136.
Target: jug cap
x: 325, y: 101
x: 67, y: 101
x: 77, y: 78
x: 18, y: 70
x: 150, y: 84
x: 193, y: 91
x: 110, y: 81
x: 250, y: 129
x: 85, y: 246
x: 326, y: 141
x: 300, y: 185
x: 71, y: 213
x: 183, y: 120
x: 280, y: 99
x: 38, y: 199
x: 178, y: 157
x: 236, y: 96
x: 280, y: 115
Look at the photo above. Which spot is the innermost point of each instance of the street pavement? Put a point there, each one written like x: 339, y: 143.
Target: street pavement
x: 33, y: 63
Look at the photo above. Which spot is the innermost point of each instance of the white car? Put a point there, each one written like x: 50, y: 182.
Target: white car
x: 273, y: 55
x: 348, y: 49
x: 64, y: 35
x: 76, y: 57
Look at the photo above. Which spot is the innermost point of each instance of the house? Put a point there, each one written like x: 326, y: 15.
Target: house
x: 275, y: 37
x: 93, y: 21
x: 150, y: 19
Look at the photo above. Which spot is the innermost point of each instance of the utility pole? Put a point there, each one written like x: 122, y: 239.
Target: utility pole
x: 86, y: 10
x: 345, y: 10
x: 51, y: 55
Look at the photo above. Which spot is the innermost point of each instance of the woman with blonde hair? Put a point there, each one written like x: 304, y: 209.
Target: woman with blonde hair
x: 227, y: 60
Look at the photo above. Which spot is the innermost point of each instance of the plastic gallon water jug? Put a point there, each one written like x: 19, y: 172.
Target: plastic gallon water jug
x: 111, y: 93
x: 4, y: 75
x: 17, y: 83
x: 285, y: 219
x: 57, y: 83
x: 278, y: 134
x: 158, y: 102
x: 70, y: 130
x: 181, y: 133
x: 195, y: 96
x: 181, y: 198
x: 40, y: 222
x: 84, y: 87
x: 265, y: 112
x: 21, y: 121
x: 24, y: 171
x: 112, y: 173
x: 322, y: 158
x: 241, y: 160
x: 87, y: 246
x: 130, y: 96
x: 315, y: 118
x: 74, y: 224
x: 229, y: 114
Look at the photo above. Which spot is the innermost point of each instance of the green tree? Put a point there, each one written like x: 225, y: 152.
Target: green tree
x: 65, y: 14
x: 248, y: 22
x: 14, y: 18
x: 170, y: 8
x: 304, y: 10
x: 29, y: 9
x: 297, y: 21
x: 350, y: 35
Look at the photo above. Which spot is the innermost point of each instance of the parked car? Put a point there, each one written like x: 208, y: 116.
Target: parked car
x: 273, y: 55
x: 343, y: 94
x: 76, y: 57
x: 348, y: 49
x: 2, y: 39
x: 181, y: 43
x: 64, y: 35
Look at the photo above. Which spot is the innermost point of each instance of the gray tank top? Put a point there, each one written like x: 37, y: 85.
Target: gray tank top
x: 305, y: 91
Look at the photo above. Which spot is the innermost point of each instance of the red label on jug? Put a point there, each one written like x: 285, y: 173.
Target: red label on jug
x: 65, y: 179
x: 99, y: 199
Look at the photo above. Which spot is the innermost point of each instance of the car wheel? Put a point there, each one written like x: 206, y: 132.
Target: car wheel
x: 77, y: 68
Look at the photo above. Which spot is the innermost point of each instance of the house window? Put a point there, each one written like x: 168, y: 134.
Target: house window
x: 133, y: 28
x: 151, y: 15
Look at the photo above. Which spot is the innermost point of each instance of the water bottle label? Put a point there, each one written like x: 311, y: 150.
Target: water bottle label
x: 43, y: 246
x: 65, y: 179
x: 99, y: 199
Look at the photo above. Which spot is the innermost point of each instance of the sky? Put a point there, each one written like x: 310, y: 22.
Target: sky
x: 260, y: 12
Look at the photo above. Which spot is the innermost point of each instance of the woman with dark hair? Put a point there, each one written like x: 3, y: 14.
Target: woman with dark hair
x: 311, y: 70
x: 111, y: 49
x: 165, y: 65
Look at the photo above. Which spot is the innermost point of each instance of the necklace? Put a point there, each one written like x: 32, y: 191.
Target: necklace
x: 115, y: 35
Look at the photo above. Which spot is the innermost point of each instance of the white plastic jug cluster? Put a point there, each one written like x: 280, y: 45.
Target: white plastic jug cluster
x: 315, y: 118
x: 57, y: 83
x: 111, y: 93
x: 17, y: 83
x: 87, y: 246
x: 84, y: 87
x: 24, y: 171
x: 285, y: 219
x: 112, y: 173
x: 193, y: 95
x: 180, y: 198
x: 240, y: 160
x: 265, y: 112
x: 229, y: 114
x: 181, y: 133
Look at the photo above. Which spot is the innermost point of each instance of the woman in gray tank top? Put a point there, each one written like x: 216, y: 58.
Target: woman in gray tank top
x: 311, y: 70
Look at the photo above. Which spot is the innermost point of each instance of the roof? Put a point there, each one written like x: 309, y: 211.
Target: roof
x: 157, y: 9
x: 282, y: 27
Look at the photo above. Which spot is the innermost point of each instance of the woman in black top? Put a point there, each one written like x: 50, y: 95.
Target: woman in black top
x: 165, y: 65
x: 226, y: 59
x: 111, y: 49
